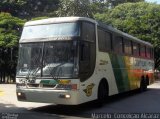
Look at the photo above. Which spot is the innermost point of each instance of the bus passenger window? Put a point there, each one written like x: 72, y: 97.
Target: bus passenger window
x: 108, y: 41
x: 152, y: 53
x: 127, y: 47
x: 101, y: 40
x: 118, y: 45
x: 104, y: 40
x: 143, y: 51
x: 148, y: 52
x: 136, y: 49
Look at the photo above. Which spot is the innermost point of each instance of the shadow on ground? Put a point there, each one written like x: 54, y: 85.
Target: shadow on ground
x: 11, y: 108
x: 83, y: 110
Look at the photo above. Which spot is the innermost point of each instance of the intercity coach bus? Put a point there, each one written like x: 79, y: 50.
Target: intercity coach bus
x: 72, y: 60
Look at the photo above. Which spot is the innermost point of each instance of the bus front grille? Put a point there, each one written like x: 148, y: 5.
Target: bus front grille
x: 33, y: 85
x: 40, y: 86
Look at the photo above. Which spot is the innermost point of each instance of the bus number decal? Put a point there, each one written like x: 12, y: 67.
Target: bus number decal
x: 88, y: 89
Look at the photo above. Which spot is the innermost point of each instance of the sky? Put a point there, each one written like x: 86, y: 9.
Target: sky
x: 157, y: 1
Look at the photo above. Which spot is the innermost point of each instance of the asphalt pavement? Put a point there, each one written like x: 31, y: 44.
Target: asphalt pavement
x: 131, y: 102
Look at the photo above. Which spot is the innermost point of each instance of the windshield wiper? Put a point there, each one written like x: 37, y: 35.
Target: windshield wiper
x: 40, y: 63
x: 33, y: 72
x: 55, y: 72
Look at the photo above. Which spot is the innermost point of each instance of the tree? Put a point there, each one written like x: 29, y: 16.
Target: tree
x: 87, y: 8
x: 29, y: 8
x: 39, y: 8
x: 11, y: 6
x: 74, y: 8
x: 138, y: 19
x: 99, y: 7
x: 114, y: 3
x: 10, y: 30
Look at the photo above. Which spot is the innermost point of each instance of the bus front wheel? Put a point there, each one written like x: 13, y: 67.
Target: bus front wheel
x: 102, y: 92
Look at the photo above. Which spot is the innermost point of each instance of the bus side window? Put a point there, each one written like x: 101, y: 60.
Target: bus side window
x: 143, y: 51
x: 101, y: 40
x: 104, y: 40
x: 148, y: 52
x: 136, y: 49
x: 127, y: 47
x: 87, y: 51
x: 108, y: 41
x: 152, y: 53
x: 118, y: 45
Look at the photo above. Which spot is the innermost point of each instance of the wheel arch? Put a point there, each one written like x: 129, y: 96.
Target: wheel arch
x: 103, y: 80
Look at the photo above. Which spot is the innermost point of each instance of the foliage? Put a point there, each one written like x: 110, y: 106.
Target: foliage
x: 138, y: 19
x: 87, y: 8
x: 115, y: 3
x: 99, y: 7
x: 29, y: 8
x: 74, y: 8
x: 11, y: 6
x: 10, y: 30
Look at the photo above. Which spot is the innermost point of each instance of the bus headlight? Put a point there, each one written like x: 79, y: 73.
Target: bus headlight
x: 67, y: 96
x: 21, y: 96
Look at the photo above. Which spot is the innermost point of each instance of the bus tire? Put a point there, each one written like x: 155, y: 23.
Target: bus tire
x: 147, y: 80
x: 102, y: 92
x: 143, y: 84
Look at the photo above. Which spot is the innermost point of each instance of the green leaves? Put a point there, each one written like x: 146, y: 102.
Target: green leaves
x: 29, y: 8
x: 10, y: 30
x: 74, y: 8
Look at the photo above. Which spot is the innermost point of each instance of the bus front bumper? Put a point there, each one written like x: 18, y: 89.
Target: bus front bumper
x: 67, y: 97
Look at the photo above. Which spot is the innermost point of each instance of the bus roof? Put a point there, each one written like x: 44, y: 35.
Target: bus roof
x: 58, y: 20
x: 73, y: 19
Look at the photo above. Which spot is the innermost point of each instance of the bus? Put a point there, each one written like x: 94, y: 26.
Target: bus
x: 73, y: 60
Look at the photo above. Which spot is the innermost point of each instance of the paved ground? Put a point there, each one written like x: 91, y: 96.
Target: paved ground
x: 132, y: 102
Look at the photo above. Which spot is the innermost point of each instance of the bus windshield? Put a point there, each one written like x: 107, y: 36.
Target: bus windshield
x: 51, y: 30
x: 48, y: 59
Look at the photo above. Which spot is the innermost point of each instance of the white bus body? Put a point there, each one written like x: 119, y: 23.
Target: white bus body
x: 72, y: 60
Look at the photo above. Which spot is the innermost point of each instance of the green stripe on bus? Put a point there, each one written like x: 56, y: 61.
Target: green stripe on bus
x: 120, y: 72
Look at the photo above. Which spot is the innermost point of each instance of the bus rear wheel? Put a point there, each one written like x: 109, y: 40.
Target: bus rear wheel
x: 102, y: 92
x: 143, y: 84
